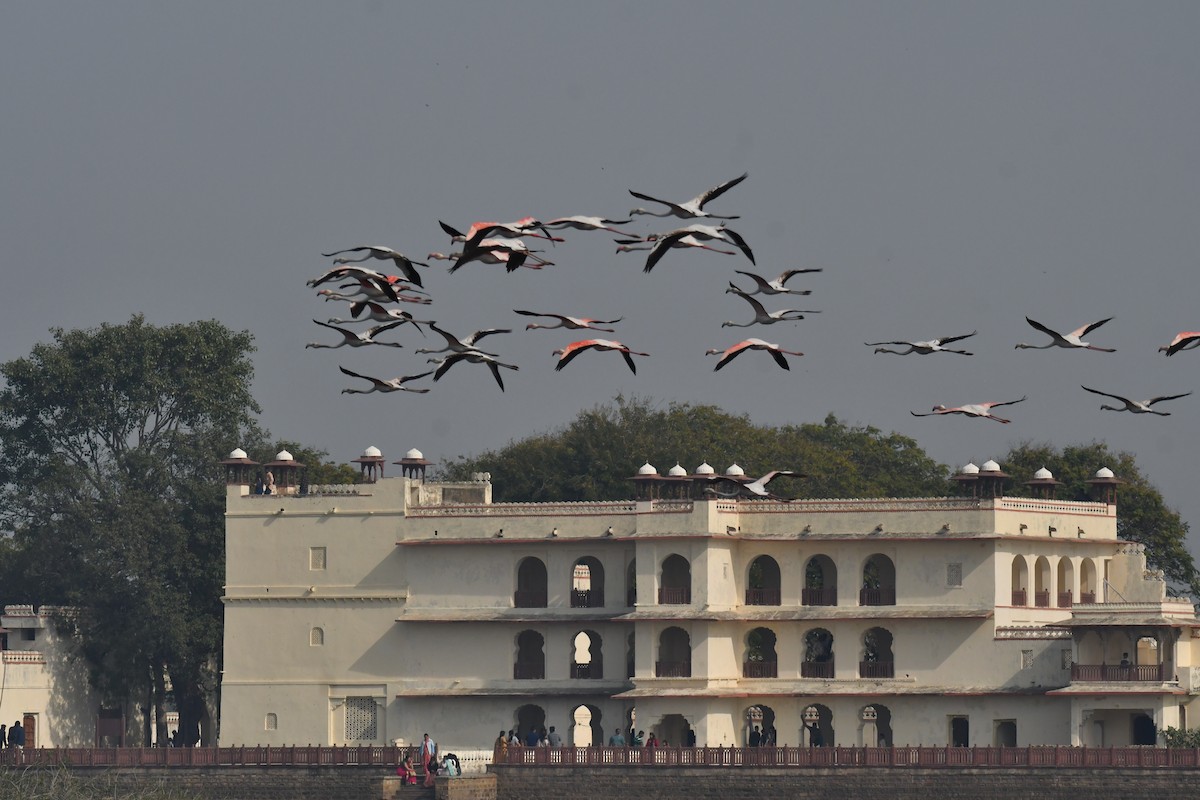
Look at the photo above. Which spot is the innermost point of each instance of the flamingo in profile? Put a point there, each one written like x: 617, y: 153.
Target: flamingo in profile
x: 1071, y: 341
x: 575, y: 348
x: 776, y: 286
x: 526, y: 226
x: 661, y: 245
x: 582, y: 223
x: 464, y: 345
x: 380, y: 385
x: 571, y: 323
x: 513, y: 253
x: 377, y: 313
x: 736, y: 350
x: 358, y: 338
x: 1137, y: 406
x: 402, y: 262
x: 764, y: 317
x: 491, y: 257
x: 377, y: 291
x: 689, y: 209
x: 708, y: 233
x: 972, y: 410
x: 473, y: 357
x: 926, y: 347
x: 758, y: 488
x: 1184, y: 340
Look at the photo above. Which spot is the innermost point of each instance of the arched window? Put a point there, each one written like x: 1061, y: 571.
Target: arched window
x: 675, y: 581
x: 587, y: 583
x: 531, y: 657
x: 674, y: 654
x: 316, y: 637
x: 877, y: 660
x: 1020, y: 580
x: 587, y: 659
x: 818, y: 654
x: 631, y: 583
x: 1088, y: 582
x: 1066, y: 579
x: 818, y: 726
x: 876, y: 725
x: 588, y: 729
x: 820, y: 582
x: 673, y: 730
x: 531, y: 584
x: 629, y: 653
x: 529, y: 718
x: 762, y: 582
x: 760, y: 726
x: 272, y: 722
x: 1041, y: 582
x: 879, y: 582
x: 761, y: 660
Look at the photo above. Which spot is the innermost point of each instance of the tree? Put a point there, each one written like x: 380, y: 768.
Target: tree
x: 109, y: 441
x: 1142, y: 514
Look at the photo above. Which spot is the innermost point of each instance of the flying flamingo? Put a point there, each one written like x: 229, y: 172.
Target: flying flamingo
x: 758, y: 488
x: 377, y: 313
x: 709, y: 233
x: 926, y: 347
x: 661, y: 245
x: 572, y: 323
x: 1137, y: 406
x: 689, y: 209
x: 492, y: 257
x: 473, y: 357
x: 377, y: 291
x: 482, y: 230
x: 582, y: 223
x: 972, y: 410
x: 402, y: 262
x: 764, y: 286
x: 464, y: 345
x: 380, y: 385
x: 1071, y: 341
x: 575, y: 348
x: 513, y: 253
x: 775, y: 350
x: 1184, y: 340
x: 763, y: 317
x: 358, y: 338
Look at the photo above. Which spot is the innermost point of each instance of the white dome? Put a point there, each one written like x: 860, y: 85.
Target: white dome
x: 647, y: 469
x: 705, y: 469
x: 735, y: 471
x: 284, y: 455
x: 372, y: 452
x: 970, y: 469
x: 990, y: 466
x: 677, y: 471
x: 1043, y: 474
x: 414, y: 453
x: 1105, y: 472
x: 237, y: 452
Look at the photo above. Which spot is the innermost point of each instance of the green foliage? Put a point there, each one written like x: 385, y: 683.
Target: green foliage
x: 1176, y: 737
x: 593, y: 457
x: 1142, y: 514
x: 61, y: 783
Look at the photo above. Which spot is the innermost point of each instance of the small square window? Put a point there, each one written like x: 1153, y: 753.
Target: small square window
x: 316, y: 558
x: 1068, y: 658
x: 1026, y: 659
x: 272, y: 722
x: 954, y: 573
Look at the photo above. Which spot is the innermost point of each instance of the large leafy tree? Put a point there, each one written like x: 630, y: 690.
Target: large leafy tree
x: 110, y: 488
x: 1142, y: 514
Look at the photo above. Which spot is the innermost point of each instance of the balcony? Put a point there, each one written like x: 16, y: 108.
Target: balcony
x: 760, y: 669
x: 1065, y: 599
x: 529, y: 670
x: 817, y: 669
x: 763, y: 597
x: 1020, y: 597
x: 674, y: 597
x: 587, y: 671
x: 673, y: 669
x: 819, y: 597
x: 880, y: 596
x: 877, y: 669
x: 1087, y: 597
x: 587, y: 598
x: 1042, y: 599
x: 527, y: 598
x: 1115, y: 673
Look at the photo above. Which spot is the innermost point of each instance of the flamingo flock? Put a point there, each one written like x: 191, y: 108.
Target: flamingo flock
x: 373, y: 297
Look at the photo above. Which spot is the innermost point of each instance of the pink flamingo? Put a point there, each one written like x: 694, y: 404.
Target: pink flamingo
x: 972, y: 410
x: 731, y: 353
x: 575, y: 348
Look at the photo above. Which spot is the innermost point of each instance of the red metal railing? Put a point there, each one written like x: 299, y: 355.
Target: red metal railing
x: 817, y: 669
x: 523, y: 598
x: 877, y: 669
x: 881, y: 596
x: 819, y: 597
x: 1042, y: 599
x: 1019, y: 598
x: 587, y: 671
x: 674, y: 597
x: 1036, y: 756
x: 762, y: 597
x: 760, y: 669
x: 587, y: 598
x: 1087, y: 597
x: 529, y: 670
x: 673, y: 669
x: 1150, y: 673
x: 1065, y: 599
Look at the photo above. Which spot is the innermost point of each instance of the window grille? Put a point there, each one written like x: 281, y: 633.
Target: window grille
x: 954, y: 574
x: 316, y: 637
x: 1026, y: 659
x: 362, y: 719
x: 316, y: 558
x: 272, y: 722
x: 1068, y: 658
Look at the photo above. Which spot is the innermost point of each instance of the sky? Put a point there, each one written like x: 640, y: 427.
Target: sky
x: 952, y: 167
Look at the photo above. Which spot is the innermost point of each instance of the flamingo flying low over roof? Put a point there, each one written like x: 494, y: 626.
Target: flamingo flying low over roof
x: 736, y: 350
x: 1071, y: 341
x: 972, y: 410
x: 926, y: 347
x: 380, y: 385
x: 1137, y: 406
x: 571, y: 323
x: 689, y: 209
x: 575, y: 348
x: 758, y: 488
x: 1184, y: 340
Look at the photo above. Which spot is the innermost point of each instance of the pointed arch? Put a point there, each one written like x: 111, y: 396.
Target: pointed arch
x: 587, y: 657
x: 760, y: 660
x: 531, y: 656
x: 587, y: 583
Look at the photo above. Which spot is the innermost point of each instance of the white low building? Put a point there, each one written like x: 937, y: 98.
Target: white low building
x: 397, y: 606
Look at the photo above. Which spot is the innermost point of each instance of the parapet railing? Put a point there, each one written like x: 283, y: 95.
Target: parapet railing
x: 1061, y: 756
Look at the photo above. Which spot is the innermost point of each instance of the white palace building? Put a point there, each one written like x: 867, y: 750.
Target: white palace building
x: 379, y: 611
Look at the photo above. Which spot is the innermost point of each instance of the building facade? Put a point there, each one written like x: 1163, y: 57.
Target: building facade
x: 380, y: 611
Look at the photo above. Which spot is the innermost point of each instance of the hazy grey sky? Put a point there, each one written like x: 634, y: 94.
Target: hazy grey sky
x: 951, y: 166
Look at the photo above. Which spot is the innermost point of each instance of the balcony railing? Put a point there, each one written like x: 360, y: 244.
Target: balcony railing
x: 762, y: 597
x: 674, y: 597
x: 880, y: 596
x: 877, y: 669
x: 1087, y: 597
x: 817, y: 669
x: 587, y: 671
x: 587, y: 598
x: 673, y: 669
x: 1020, y: 597
x: 1146, y: 673
x: 1065, y: 599
x: 529, y: 670
x: 1042, y: 599
x: 760, y: 669
x: 527, y: 598
x: 819, y: 597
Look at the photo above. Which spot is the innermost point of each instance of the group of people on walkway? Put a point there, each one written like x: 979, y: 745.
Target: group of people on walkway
x: 433, y: 762
x: 14, y: 736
